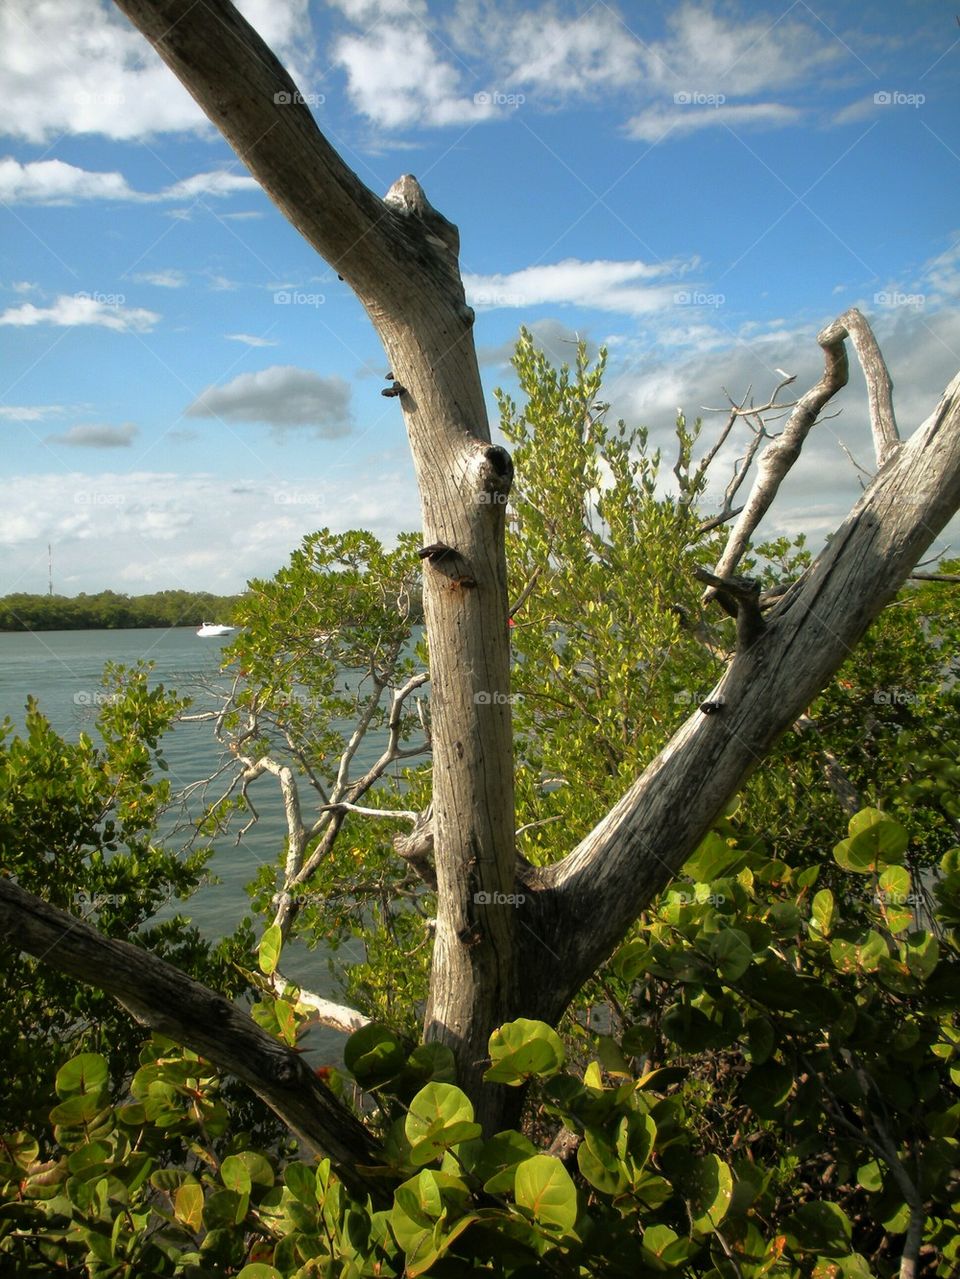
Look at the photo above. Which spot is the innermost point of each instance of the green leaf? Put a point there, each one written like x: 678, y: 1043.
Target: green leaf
x: 732, y: 953
x: 259, y: 1270
x: 870, y: 1176
x: 545, y: 1188
x: 824, y: 911
x: 521, y: 1049
x: 86, y: 1073
x: 713, y: 858
x: 440, y: 1116
x: 188, y: 1205
x: 301, y: 1180
x: 819, y: 1228
x: 875, y: 841
x: 709, y: 1189
x: 600, y: 1164
x: 268, y: 952
x: 920, y: 951
x: 494, y: 1162
x: 373, y: 1055
x: 765, y: 1088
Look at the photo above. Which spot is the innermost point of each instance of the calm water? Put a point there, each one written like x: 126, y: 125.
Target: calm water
x: 62, y: 669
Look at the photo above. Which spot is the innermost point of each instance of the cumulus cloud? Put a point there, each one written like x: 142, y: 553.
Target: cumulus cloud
x: 397, y: 78
x: 631, y: 288
x: 77, y: 67
x: 54, y: 182
x: 96, y: 437
x: 282, y: 397
x: 74, y: 310
x: 400, y: 74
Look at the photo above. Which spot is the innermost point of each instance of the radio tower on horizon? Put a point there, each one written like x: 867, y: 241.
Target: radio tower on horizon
x: 49, y: 568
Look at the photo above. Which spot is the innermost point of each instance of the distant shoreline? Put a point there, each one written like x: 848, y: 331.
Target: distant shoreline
x: 111, y: 611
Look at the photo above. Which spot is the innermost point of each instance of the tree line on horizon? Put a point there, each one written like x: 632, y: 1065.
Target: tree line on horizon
x: 111, y: 610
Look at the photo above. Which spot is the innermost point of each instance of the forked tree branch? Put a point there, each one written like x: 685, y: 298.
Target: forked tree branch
x: 781, y: 453
x: 617, y: 869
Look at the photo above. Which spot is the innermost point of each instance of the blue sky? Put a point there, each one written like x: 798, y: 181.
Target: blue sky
x: 186, y: 389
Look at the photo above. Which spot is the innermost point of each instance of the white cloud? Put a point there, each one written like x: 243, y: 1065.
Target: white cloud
x: 737, y: 55
x: 282, y: 397
x: 216, y: 183
x: 629, y: 288
x: 29, y: 412
x: 248, y: 339
x: 78, y: 67
x: 56, y: 182
x: 656, y: 123
x: 73, y: 310
x: 396, y: 78
x: 90, y: 436
x: 160, y: 529
x: 162, y: 279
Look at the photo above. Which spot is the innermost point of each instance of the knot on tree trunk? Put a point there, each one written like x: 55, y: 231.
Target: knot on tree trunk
x: 407, y: 197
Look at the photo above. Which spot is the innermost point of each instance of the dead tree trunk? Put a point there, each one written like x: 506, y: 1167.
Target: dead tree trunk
x: 401, y: 258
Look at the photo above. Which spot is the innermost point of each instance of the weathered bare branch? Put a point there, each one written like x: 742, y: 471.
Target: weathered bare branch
x: 883, y: 424
x: 780, y: 455
x: 324, y: 1011
x: 161, y: 996
x: 638, y: 847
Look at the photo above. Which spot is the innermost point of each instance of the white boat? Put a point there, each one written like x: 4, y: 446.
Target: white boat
x: 211, y: 629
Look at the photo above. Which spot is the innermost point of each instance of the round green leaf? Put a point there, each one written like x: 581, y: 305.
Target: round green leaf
x: 545, y: 1188
x: 523, y: 1048
x: 188, y: 1205
x: 373, y: 1054
x: 732, y: 953
x: 86, y: 1073
x: 440, y: 1116
x: 709, y: 1189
